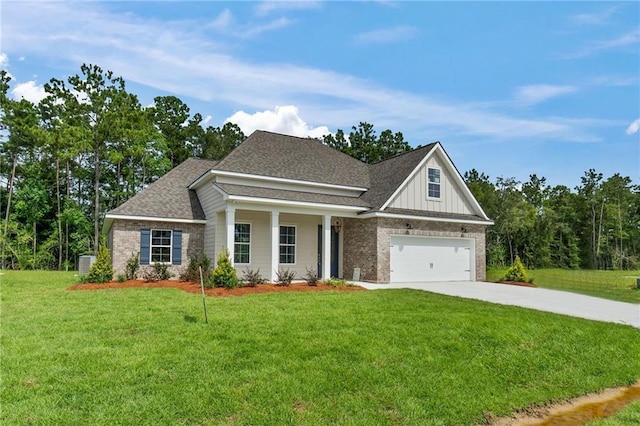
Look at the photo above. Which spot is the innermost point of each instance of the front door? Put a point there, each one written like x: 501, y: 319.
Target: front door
x: 335, y: 249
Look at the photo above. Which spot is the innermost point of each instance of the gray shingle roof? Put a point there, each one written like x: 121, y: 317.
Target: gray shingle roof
x: 438, y: 215
x: 281, y: 194
x: 386, y: 176
x: 169, y: 197
x: 271, y: 154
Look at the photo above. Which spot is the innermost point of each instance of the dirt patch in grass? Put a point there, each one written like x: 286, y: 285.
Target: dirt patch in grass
x: 195, y: 288
x: 574, y: 412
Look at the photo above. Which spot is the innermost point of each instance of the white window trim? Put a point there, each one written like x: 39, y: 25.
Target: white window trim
x: 249, y: 244
x: 151, y: 246
x: 295, y: 244
x: 440, y: 183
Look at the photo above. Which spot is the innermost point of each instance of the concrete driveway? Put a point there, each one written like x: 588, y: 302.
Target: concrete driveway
x: 541, y: 299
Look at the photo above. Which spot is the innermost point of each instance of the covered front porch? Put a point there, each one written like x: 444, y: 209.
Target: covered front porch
x: 270, y: 240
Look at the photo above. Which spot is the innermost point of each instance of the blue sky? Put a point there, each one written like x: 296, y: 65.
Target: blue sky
x: 509, y: 88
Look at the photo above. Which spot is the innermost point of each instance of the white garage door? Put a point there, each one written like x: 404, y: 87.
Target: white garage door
x: 430, y: 259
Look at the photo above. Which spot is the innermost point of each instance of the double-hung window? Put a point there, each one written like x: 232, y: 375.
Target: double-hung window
x: 287, y: 244
x: 433, y: 183
x: 160, y: 246
x: 242, y: 243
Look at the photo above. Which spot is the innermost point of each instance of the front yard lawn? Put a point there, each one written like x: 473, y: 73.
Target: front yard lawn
x: 146, y: 357
x: 614, y: 285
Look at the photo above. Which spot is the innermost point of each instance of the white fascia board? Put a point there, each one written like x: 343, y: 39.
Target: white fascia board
x: 337, y: 207
x: 153, y: 219
x: 225, y: 196
x: 425, y: 218
x: 201, y: 180
x: 283, y: 180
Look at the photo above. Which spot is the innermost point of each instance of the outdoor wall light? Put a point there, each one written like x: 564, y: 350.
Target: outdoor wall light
x: 337, y: 225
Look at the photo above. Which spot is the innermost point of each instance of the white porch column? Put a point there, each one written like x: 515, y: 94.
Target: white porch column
x: 275, y: 244
x: 230, y: 223
x: 326, y: 247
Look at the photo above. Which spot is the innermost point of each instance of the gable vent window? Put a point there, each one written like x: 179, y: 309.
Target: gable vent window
x: 242, y: 243
x: 433, y: 182
x: 288, y: 244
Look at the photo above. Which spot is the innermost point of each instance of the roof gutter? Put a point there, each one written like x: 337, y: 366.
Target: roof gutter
x: 425, y: 218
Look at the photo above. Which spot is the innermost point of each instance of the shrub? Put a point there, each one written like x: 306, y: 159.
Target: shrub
x: 252, y: 278
x: 312, y: 277
x: 284, y: 277
x: 162, y: 270
x: 517, y: 272
x: 101, y: 271
x: 131, y: 267
x: 121, y: 278
x: 224, y: 275
x: 192, y: 273
x: 336, y: 282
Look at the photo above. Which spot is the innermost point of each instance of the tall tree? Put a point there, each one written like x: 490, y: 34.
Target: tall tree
x: 217, y: 142
x: 365, y: 145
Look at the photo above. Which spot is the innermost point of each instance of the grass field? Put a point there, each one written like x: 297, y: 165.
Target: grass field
x: 615, y: 285
x: 630, y: 416
x: 146, y: 357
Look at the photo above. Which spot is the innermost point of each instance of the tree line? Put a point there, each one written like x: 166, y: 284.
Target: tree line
x: 90, y: 145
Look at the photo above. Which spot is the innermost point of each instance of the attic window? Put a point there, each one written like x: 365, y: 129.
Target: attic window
x: 433, y: 183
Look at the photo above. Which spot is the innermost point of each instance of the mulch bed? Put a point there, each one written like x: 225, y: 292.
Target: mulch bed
x: 220, y: 292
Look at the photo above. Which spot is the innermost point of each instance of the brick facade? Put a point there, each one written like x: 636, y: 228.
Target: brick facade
x: 367, y: 244
x: 126, y: 234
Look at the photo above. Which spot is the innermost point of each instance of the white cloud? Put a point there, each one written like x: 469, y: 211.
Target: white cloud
x: 628, y: 39
x: 30, y: 91
x: 190, y: 64
x: 283, y: 119
x: 222, y: 21
x: 537, y: 93
x: 254, y: 30
x: 633, y: 127
x: 596, y: 18
x: 4, y: 60
x: 267, y: 7
x: 207, y: 120
x: 387, y: 35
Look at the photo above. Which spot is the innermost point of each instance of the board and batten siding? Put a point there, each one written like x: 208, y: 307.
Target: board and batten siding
x: 414, y: 195
x: 211, y: 202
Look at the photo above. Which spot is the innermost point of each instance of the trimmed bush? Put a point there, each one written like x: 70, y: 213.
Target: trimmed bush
x: 284, y: 277
x: 312, y: 277
x: 224, y: 275
x: 132, y: 265
x: 192, y: 272
x: 517, y: 272
x: 101, y: 271
x: 252, y: 278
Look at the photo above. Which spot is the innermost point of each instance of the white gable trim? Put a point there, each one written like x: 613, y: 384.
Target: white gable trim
x: 274, y: 179
x: 274, y: 202
x: 425, y: 218
x: 452, y: 171
x: 153, y: 218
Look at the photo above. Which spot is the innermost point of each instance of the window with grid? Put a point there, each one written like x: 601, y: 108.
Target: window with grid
x: 433, y: 183
x: 160, y: 246
x: 287, y: 244
x: 242, y: 243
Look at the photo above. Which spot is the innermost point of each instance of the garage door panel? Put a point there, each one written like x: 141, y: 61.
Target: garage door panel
x: 430, y: 259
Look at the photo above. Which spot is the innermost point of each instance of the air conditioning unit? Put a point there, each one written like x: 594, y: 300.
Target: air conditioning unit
x: 84, y: 264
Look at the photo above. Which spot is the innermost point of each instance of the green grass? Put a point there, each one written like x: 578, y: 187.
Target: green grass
x: 630, y: 416
x: 146, y: 357
x: 615, y: 285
